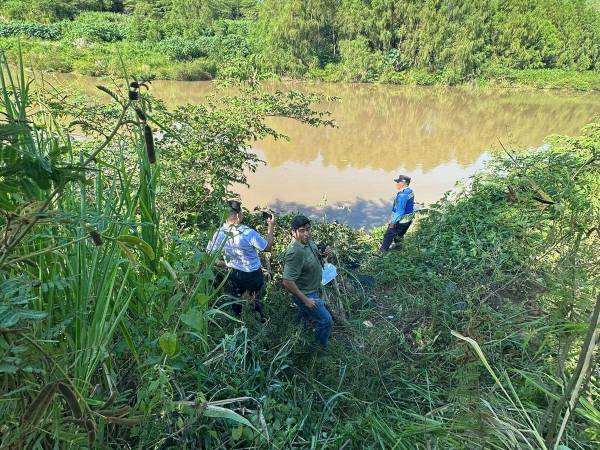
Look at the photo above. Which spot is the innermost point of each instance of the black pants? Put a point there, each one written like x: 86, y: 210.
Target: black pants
x: 251, y: 282
x: 397, y: 232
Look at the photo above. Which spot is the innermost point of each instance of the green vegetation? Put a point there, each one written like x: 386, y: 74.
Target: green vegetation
x: 481, y: 332
x: 544, y: 43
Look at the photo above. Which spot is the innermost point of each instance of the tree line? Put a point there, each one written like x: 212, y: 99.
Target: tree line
x: 352, y: 40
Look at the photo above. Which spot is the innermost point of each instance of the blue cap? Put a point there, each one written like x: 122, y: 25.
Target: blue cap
x: 403, y: 178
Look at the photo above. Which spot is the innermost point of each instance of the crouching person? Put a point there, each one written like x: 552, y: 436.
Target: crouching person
x: 240, y: 245
x: 302, y: 275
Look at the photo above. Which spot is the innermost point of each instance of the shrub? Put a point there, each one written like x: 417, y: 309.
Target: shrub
x: 45, y: 11
x: 35, y: 30
x: 230, y: 46
x: 181, y: 49
x: 145, y: 29
x: 98, y: 27
x: 359, y: 63
x: 197, y: 70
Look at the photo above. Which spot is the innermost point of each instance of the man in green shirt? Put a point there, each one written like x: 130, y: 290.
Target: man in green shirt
x: 302, y: 275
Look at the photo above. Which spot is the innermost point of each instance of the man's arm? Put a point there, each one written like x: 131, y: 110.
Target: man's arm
x: 292, y: 288
x: 271, y: 227
x: 260, y: 243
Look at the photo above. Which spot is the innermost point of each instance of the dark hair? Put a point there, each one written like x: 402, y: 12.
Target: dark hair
x: 299, y: 221
x: 235, y: 206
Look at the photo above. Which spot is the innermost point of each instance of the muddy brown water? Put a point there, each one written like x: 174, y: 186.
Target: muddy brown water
x: 438, y: 136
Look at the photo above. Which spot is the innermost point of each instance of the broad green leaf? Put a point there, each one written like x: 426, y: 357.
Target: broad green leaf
x: 168, y: 343
x: 194, y: 319
x: 236, y: 433
x: 169, y: 269
x: 8, y: 368
x: 128, y: 253
x: 201, y: 299
x: 10, y: 318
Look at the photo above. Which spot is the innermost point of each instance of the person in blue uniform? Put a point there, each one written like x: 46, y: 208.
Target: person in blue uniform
x: 402, y: 213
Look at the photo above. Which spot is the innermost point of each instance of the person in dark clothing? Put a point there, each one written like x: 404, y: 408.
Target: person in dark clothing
x: 402, y: 213
x: 240, y: 245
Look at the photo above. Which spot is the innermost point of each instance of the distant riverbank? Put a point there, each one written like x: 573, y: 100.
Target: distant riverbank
x: 116, y: 58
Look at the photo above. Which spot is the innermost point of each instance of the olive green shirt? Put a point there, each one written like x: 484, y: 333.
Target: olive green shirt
x: 302, y: 266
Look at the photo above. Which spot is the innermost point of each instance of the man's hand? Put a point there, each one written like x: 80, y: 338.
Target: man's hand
x: 291, y: 286
x: 270, y: 230
x: 391, y: 225
x: 310, y: 303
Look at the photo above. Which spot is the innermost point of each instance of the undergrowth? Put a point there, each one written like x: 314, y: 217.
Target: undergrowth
x: 478, y: 331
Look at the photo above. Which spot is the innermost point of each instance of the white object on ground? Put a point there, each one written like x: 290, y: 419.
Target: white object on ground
x: 329, y: 273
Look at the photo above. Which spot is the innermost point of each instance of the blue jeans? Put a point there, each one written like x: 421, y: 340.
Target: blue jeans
x: 319, y: 315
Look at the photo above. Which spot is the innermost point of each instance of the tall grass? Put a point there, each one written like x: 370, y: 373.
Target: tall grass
x: 81, y: 250
x: 113, y: 331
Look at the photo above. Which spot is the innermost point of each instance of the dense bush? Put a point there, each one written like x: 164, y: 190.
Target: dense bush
x: 34, y: 30
x: 54, y: 10
x: 352, y: 40
x: 181, y: 49
x: 358, y: 63
x: 98, y: 27
x: 197, y: 70
x: 454, y: 38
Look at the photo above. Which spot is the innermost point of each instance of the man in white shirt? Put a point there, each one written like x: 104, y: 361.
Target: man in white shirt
x: 240, y: 245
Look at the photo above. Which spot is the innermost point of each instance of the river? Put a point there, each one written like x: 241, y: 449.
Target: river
x: 438, y: 136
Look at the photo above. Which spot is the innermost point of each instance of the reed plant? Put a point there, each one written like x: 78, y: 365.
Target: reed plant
x: 81, y: 243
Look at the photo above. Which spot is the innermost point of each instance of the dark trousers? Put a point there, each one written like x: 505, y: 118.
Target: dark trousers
x: 251, y: 282
x: 397, y: 231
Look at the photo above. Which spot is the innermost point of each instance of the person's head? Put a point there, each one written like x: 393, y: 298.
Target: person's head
x: 300, y: 226
x: 402, y: 181
x: 235, y: 214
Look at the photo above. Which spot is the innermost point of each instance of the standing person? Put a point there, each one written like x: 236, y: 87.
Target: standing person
x: 402, y: 212
x: 240, y: 245
x: 302, y: 274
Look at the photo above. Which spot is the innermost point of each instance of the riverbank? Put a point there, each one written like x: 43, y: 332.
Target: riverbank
x: 116, y: 332
x: 116, y: 58
x: 449, y: 338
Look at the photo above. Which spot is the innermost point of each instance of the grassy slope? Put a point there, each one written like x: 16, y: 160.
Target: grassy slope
x: 395, y: 377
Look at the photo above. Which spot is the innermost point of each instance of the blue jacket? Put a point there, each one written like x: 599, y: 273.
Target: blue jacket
x: 402, y: 210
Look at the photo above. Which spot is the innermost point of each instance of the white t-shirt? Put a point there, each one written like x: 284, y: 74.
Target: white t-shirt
x: 240, y: 245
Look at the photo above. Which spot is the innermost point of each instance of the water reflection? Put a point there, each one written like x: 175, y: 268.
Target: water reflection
x: 357, y: 196
x: 387, y: 127
x: 436, y: 135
